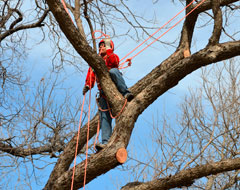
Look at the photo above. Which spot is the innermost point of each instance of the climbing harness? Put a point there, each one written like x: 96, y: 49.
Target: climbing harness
x: 121, y: 67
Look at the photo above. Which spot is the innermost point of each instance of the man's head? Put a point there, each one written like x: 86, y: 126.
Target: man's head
x: 104, y: 45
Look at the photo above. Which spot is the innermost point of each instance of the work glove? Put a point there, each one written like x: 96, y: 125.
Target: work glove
x: 85, y: 89
x: 107, y: 42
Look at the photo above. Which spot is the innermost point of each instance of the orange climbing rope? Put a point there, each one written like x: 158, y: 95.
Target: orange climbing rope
x: 65, y: 7
x: 89, y: 108
x: 155, y: 32
x: 79, y: 127
x: 164, y: 32
x: 109, y: 109
x: 105, y: 35
x: 114, y: 117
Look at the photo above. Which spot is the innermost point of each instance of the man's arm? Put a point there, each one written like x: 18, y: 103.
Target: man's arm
x: 90, y: 81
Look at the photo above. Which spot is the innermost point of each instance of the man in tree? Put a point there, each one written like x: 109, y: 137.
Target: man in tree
x: 106, y: 48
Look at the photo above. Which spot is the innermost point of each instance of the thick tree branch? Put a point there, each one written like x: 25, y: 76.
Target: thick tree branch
x: 24, y: 152
x: 187, y: 177
x: 207, y: 5
x: 172, y: 72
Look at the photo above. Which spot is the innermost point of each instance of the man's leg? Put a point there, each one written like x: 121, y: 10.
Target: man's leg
x: 117, y: 78
x: 105, y: 121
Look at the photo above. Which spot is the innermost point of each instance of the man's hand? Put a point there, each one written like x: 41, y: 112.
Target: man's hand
x: 107, y: 42
x: 85, y: 89
x: 129, y: 61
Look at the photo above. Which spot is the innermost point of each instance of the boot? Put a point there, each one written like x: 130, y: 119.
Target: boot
x: 129, y: 96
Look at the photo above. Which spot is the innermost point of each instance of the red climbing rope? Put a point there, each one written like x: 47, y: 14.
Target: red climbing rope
x: 114, y: 117
x: 79, y: 127
x: 165, y: 32
x: 109, y: 109
x: 155, y: 32
x: 105, y: 35
x: 65, y: 7
x: 86, y: 160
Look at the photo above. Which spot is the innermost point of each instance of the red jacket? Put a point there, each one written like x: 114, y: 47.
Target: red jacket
x: 111, y: 60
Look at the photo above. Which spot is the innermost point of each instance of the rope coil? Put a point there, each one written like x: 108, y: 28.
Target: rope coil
x: 103, y: 34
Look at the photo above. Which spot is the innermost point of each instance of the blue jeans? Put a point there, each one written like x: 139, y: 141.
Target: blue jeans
x: 105, y: 118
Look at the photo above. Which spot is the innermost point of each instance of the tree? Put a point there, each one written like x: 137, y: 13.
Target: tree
x: 216, y: 128
x: 222, y: 45
x: 206, y: 131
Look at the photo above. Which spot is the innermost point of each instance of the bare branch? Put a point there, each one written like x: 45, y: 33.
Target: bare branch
x: 24, y: 152
x: 13, y: 29
x: 217, y: 23
x: 186, y: 178
x: 89, y: 23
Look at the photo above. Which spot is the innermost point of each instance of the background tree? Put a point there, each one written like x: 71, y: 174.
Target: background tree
x: 205, y: 131
x: 54, y: 137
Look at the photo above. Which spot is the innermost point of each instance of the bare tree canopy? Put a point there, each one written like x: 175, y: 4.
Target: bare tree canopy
x: 41, y: 127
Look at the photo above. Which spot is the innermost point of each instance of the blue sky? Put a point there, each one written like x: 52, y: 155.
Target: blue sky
x: 38, y: 64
